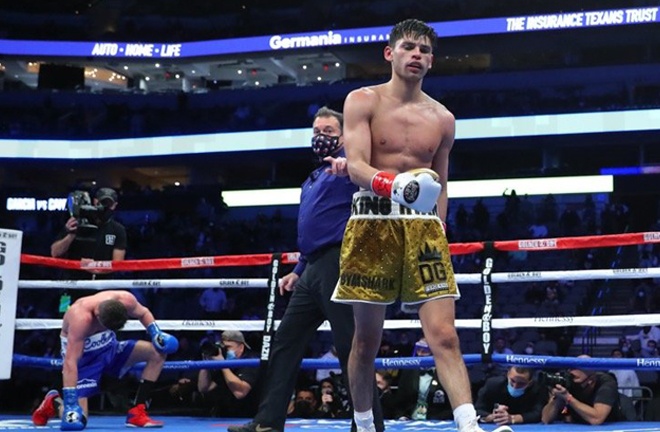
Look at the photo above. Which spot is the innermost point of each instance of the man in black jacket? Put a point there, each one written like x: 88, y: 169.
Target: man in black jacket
x: 511, y: 399
x: 420, y: 395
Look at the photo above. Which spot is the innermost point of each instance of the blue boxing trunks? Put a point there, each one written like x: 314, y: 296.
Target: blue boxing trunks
x: 102, y: 354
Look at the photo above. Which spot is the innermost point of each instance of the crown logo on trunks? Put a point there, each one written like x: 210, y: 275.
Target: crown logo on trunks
x: 429, y: 254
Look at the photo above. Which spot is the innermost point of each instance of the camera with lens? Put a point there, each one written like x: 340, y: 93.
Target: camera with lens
x: 564, y: 379
x: 210, y: 349
x: 80, y: 207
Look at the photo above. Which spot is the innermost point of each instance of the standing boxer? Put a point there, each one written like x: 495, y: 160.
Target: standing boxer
x: 397, y: 139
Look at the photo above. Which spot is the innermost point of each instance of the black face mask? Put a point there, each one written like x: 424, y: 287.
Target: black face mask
x: 324, y: 145
x: 304, y: 409
x: 104, y: 215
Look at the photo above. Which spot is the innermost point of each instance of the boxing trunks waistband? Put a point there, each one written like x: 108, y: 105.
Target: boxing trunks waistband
x: 94, y: 342
x: 369, y: 205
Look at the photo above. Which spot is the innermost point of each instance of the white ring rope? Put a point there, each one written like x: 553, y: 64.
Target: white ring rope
x: 258, y: 325
x: 468, y: 278
x: 144, y: 283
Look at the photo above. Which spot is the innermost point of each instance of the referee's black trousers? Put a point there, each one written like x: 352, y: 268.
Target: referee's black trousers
x: 308, y: 307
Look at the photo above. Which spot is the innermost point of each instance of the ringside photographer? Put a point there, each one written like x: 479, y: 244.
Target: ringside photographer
x: 229, y: 392
x: 582, y: 396
x: 91, y: 233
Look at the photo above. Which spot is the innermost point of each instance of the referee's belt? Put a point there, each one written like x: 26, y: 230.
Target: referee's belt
x: 366, y: 203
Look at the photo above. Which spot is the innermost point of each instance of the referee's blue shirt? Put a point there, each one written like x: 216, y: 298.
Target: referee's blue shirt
x: 325, y: 206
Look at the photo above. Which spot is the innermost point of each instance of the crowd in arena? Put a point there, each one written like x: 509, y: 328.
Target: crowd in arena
x: 208, y: 232
x: 71, y: 115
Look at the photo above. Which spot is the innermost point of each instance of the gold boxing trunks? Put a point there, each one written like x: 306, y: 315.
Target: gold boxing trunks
x: 390, y: 251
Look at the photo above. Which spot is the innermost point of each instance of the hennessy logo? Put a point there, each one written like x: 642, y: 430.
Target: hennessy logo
x: 428, y: 254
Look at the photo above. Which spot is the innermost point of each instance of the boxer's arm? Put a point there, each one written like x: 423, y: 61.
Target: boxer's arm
x: 135, y: 309
x: 164, y: 342
x: 440, y: 162
x: 358, y: 109
x: 75, y: 343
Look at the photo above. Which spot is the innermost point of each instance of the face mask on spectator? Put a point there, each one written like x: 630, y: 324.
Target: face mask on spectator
x: 231, y: 354
x: 515, y: 392
x: 304, y: 408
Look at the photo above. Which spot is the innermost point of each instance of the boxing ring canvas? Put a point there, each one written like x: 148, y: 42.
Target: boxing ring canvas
x: 185, y: 424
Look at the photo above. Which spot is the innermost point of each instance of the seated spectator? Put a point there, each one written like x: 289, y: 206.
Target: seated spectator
x: 625, y: 377
x: 420, y: 395
x: 511, y: 399
x: 213, y: 302
x: 500, y: 346
x: 625, y: 346
x: 229, y: 392
x: 332, y: 405
x: 590, y: 398
x: 387, y: 397
x: 641, y: 300
x: 530, y: 348
x: 647, y: 333
x: 551, y: 299
x: 545, y: 346
x: 305, y: 405
x: 650, y: 350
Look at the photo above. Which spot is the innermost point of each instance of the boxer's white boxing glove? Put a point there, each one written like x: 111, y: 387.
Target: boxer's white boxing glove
x: 417, y: 189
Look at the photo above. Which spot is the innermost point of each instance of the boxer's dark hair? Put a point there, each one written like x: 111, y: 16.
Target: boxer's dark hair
x: 415, y: 28
x: 112, y: 314
x: 327, y: 112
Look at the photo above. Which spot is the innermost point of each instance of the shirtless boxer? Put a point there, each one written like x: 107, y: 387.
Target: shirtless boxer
x: 398, y: 141
x: 90, y: 349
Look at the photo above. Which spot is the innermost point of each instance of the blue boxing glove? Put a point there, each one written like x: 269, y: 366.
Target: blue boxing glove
x: 165, y: 343
x: 73, y: 417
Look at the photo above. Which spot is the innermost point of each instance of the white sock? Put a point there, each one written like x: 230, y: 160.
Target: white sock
x: 363, y: 419
x: 464, y: 414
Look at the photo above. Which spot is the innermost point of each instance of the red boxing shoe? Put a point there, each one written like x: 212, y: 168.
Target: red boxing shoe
x: 46, y: 410
x: 138, y: 417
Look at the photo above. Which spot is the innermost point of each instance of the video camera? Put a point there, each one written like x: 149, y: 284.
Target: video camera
x: 546, y: 379
x: 80, y: 206
x: 211, y: 349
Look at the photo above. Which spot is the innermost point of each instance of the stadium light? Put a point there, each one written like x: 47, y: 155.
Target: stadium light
x: 456, y: 189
